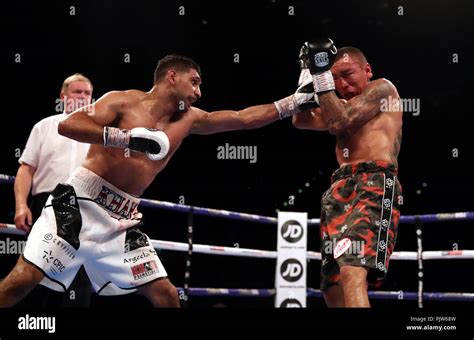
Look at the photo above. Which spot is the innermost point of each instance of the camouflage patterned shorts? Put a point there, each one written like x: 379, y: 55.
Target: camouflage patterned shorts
x: 359, y: 220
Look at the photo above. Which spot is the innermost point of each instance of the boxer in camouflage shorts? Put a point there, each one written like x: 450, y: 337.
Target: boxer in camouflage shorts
x: 360, y: 211
x: 359, y: 220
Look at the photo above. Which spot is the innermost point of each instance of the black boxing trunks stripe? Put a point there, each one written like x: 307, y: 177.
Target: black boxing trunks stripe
x: 384, y: 222
x: 67, y: 213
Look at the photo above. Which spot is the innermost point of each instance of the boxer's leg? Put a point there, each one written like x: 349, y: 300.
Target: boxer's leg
x: 21, y: 280
x: 334, y: 296
x: 161, y: 293
x: 354, y: 284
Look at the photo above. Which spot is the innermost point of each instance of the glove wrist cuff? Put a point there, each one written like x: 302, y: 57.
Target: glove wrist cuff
x: 323, y: 82
x: 115, y: 137
x: 287, y: 106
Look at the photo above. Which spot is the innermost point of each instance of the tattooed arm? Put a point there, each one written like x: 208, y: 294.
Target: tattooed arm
x: 342, y: 118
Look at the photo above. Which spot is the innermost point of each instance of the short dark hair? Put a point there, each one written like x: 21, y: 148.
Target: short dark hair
x: 353, y: 52
x: 177, y: 62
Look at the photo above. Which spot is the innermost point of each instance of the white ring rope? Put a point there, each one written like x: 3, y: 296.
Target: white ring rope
x: 312, y: 255
x: 270, y: 254
x: 214, y: 250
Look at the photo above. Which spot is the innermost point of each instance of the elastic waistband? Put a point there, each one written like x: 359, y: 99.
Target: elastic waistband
x: 116, y: 202
x: 364, y: 167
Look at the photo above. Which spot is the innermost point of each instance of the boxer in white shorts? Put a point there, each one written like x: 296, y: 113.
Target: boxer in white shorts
x: 133, y: 135
x: 88, y: 221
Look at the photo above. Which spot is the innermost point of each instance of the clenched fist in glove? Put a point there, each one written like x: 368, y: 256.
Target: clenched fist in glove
x: 154, y: 143
x: 321, y: 54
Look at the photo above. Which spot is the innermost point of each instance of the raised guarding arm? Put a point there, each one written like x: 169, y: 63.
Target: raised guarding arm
x: 343, y: 117
x: 358, y: 110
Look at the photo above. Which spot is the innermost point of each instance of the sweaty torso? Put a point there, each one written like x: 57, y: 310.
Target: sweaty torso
x: 378, y: 139
x: 132, y: 171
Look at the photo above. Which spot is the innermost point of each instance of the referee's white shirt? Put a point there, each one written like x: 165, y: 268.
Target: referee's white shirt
x: 54, y: 156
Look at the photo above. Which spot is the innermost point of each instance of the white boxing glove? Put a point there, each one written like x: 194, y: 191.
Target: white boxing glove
x: 304, y: 97
x: 154, y: 143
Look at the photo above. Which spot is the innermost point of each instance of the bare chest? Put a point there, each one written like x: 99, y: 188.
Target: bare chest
x: 374, y: 139
x: 176, y: 127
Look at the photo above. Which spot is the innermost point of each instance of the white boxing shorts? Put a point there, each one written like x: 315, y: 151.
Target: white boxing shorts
x: 88, y: 221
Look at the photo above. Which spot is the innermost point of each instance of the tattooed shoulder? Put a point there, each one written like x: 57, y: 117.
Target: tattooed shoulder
x: 381, y: 89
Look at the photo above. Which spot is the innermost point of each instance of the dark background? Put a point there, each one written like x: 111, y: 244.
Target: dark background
x: 413, y: 50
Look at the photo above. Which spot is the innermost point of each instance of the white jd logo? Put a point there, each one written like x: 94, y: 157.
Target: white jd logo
x: 292, y: 270
x: 293, y: 231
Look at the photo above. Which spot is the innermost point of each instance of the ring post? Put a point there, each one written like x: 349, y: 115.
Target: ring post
x: 419, y: 256
x: 187, y: 270
x: 290, y: 282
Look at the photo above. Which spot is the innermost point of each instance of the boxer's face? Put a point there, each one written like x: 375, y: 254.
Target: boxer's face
x: 350, y: 77
x: 77, y: 95
x: 187, y: 87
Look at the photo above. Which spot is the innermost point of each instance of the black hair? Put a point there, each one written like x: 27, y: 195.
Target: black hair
x: 174, y: 61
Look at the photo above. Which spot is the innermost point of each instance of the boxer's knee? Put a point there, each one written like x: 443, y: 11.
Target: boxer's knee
x: 354, y: 283
x: 353, y: 276
x: 334, y: 296
x: 169, y: 294
x: 161, y: 293
x: 19, y: 283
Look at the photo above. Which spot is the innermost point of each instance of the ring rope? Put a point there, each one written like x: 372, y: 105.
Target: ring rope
x: 411, y: 219
x: 418, y: 220
x: 270, y: 254
x: 243, y: 252
x: 311, y: 292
